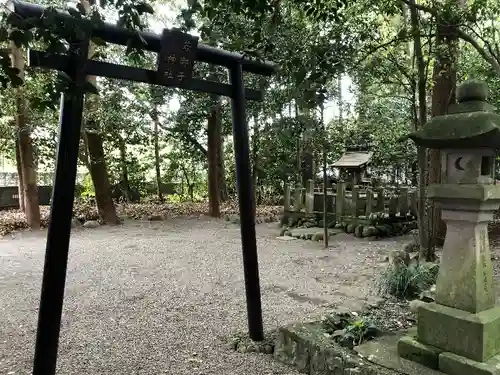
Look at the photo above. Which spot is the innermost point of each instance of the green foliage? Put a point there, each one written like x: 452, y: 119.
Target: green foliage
x: 312, y: 43
x: 57, y: 33
x: 360, y: 330
x: 349, y: 330
x: 278, y: 147
x: 406, y: 282
x: 87, y: 190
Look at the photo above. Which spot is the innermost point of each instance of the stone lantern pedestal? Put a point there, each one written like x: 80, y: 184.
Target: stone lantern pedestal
x: 459, y: 333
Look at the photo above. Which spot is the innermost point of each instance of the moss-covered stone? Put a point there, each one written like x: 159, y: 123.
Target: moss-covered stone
x: 370, y: 231
x: 472, y: 90
x: 471, y: 123
x: 358, y: 231
x: 445, y: 328
x: 324, y: 356
x: 242, y: 343
x: 409, y: 348
x: 318, y: 236
x: 453, y: 364
x: 475, y: 192
x: 309, y: 348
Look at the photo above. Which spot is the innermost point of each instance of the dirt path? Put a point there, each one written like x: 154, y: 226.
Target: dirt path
x: 161, y: 298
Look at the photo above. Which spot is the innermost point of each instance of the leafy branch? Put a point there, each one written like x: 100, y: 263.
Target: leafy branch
x: 57, y: 32
x: 487, y: 53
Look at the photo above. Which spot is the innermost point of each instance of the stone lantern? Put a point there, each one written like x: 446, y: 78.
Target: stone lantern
x: 459, y: 333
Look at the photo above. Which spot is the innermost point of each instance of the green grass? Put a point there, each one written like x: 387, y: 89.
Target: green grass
x: 407, y: 282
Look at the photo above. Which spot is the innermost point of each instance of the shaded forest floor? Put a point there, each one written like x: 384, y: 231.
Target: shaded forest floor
x: 12, y: 220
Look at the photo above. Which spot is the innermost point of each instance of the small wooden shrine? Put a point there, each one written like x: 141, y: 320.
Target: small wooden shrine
x: 352, y: 165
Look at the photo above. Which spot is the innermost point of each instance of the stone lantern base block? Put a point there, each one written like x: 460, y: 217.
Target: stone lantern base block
x: 474, y: 336
x: 411, y: 349
x: 453, y: 364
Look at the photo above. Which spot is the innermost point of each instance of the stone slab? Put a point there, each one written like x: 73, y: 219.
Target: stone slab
x: 308, y: 348
x: 383, y: 352
x: 309, y: 232
x: 286, y: 238
x: 453, y: 364
x: 473, y: 192
x: 445, y: 328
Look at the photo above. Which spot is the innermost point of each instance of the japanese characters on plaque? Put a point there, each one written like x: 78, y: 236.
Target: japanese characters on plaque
x: 177, y: 56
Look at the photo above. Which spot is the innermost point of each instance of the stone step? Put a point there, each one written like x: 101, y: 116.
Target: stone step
x: 313, y: 233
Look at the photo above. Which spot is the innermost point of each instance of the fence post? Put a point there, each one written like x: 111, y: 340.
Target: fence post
x: 355, y: 198
x: 403, y: 201
x: 309, y: 196
x: 369, y: 202
x: 330, y: 202
x: 393, y: 204
x: 414, y: 203
x: 286, y: 197
x: 297, y: 197
x: 340, y: 202
x: 380, y: 200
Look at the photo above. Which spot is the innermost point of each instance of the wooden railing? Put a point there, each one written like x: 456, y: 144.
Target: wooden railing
x: 358, y: 202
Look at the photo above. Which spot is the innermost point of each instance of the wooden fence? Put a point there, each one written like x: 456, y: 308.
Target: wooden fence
x: 360, y: 202
x: 43, y: 178
x: 9, y: 196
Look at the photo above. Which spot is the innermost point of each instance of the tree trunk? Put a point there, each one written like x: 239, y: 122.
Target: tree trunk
x: 224, y: 194
x: 124, y: 183
x: 188, y: 182
x: 298, y: 147
x: 98, y: 169
x: 213, y: 163
x: 426, y: 252
x: 255, y: 157
x: 20, y: 181
x: 105, y: 205
x: 156, y: 143
x: 325, y: 176
x: 218, y: 142
x: 443, y: 94
x: 28, y: 174
x: 307, y: 156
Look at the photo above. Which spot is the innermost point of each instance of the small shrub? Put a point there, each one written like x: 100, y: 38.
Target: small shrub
x: 87, y: 188
x: 349, y: 331
x: 360, y: 331
x: 407, y: 282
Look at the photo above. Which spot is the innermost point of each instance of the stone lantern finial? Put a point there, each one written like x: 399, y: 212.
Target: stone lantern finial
x: 472, y: 90
x: 470, y: 123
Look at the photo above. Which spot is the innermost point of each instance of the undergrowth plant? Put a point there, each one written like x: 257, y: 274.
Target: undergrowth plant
x: 349, y: 331
x: 408, y: 281
x: 360, y: 331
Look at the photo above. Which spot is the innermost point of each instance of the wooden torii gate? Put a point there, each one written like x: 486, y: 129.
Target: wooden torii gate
x: 177, y: 53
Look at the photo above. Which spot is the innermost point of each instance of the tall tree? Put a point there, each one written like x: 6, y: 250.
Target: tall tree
x: 213, y: 148
x: 444, y: 78
x: 155, y: 116
x: 24, y: 146
x: 426, y: 251
x: 94, y: 143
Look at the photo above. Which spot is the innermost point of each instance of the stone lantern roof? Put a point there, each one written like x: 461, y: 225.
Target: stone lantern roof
x: 471, y: 123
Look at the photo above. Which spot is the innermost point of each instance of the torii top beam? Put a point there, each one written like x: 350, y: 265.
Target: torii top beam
x: 116, y: 35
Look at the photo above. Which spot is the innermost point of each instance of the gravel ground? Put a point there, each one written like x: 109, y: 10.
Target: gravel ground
x: 162, y: 298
